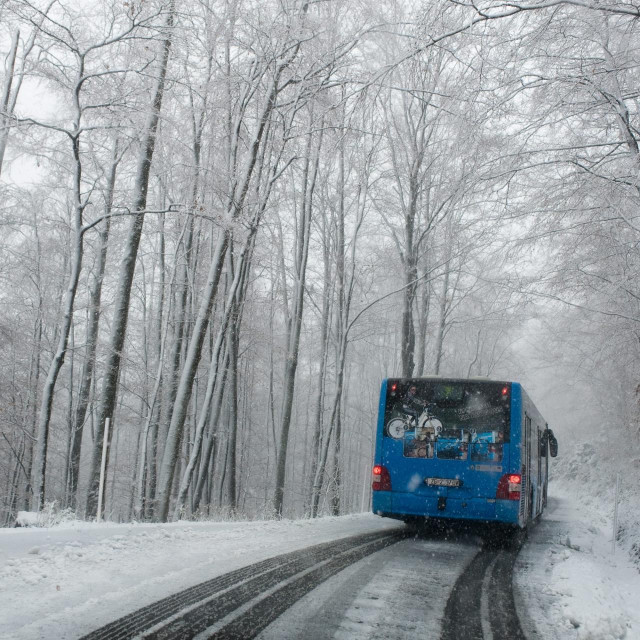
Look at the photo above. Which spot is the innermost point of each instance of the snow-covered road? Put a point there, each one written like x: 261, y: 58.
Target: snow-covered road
x: 399, y: 592
x: 67, y: 581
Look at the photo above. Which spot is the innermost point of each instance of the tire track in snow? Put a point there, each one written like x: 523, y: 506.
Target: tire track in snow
x: 266, y: 609
x: 481, y: 605
x: 177, y: 615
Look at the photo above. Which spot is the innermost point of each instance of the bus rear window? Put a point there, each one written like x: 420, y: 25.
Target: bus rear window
x: 454, y: 420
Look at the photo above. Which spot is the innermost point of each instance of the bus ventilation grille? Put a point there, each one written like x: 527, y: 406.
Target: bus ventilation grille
x: 523, y: 494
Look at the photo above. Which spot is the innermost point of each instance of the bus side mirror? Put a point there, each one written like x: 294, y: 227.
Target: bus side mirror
x: 548, y: 439
x: 553, y: 445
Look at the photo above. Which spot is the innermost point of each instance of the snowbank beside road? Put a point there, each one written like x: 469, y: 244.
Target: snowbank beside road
x: 64, y: 582
x: 570, y: 585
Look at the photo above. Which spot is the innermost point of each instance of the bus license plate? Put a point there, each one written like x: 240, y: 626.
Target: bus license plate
x: 443, y: 482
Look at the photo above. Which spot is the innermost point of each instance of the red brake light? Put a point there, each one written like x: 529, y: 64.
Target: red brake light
x: 381, y: 479
x: 505, y: 390
x: 509, y: 487
x: 394, y: 386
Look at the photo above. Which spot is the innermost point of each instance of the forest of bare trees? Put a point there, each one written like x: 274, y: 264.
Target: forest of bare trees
x: 225, y: 221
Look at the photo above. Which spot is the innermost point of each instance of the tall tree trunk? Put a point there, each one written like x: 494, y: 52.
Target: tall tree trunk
x: 408, y: 338
x: 127, y: 269
x: 295, y: 319
x: 229, y: 327
x: 34, y: 375
x: 232, y: 339
x: 211, y: 385
x: 423, y: 323
x: 341, y: 329
x: 42, y: 436
x: 209, y: 455
x: 235, y: 204
x: 323, y: 354
x: 71, y: 370
x: 333, y: 424
x: 86, y: 376
x: 345, y: 288
x: 149, y: 457
x: 151, y: 419
x: 5, y: 113
x: 442, y: 324
x: 183, y: 395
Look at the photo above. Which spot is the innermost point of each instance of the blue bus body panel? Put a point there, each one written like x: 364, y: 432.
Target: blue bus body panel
x: 516, y: 428
x: 380, y: 428
x: 515, y: 466
x: 474, y: 500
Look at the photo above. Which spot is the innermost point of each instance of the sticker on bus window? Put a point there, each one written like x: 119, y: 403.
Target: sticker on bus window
x: 417, y: 447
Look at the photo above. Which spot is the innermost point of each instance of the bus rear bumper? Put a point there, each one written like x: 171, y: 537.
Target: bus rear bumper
x: 408, y: 505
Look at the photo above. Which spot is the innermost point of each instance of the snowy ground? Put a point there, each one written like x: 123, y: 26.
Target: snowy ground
x: 571, y: 583
x: 63, y: 582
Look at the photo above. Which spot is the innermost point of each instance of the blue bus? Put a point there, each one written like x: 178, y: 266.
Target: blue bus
x: 460, y: 449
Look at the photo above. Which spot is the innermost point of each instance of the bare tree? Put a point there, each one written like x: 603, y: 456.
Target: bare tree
x: 121, y: 314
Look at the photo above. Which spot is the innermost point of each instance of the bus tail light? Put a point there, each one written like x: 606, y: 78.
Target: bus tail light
x: 509, y: 487
x: 381, y: 479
